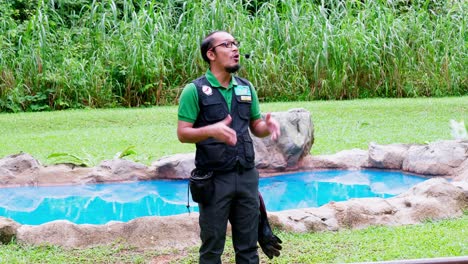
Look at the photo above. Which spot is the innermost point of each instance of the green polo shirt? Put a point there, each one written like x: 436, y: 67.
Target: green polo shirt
x: 188, y: 103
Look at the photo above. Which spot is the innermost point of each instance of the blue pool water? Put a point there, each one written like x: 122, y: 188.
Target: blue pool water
x: 101, y: 203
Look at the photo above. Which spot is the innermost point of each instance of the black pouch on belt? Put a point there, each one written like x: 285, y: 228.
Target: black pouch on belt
x: 201, y: 186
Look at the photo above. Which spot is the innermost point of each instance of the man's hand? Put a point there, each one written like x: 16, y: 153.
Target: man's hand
x: 273, y: 127
x: 220, y: 131
x: 224, y: 133
x: 263, y: 128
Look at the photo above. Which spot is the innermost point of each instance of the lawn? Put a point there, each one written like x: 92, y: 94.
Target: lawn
x: 96, y: 135
x: 339, y: 125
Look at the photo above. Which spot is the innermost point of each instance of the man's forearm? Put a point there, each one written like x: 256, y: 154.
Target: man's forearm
x: 193, y: 135
x: 220, y: 131
x: 263, y: 128
x: 259, y: 128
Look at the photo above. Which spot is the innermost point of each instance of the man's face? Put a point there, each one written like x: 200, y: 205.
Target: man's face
x: 224, y: 53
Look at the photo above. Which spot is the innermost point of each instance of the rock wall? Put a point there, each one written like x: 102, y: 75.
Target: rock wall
x: 433, y: 199
x: 445, y: 158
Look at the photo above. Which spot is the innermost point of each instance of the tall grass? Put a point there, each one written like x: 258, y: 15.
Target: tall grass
x: 136, y: 53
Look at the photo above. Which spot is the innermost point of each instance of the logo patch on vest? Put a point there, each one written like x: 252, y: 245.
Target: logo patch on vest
x: 242, y: 90
x: 207, y: 90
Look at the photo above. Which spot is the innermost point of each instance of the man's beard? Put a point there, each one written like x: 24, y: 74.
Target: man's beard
x: 232, y: 69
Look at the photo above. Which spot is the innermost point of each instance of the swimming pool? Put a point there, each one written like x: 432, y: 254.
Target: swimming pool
x: 101, y: 203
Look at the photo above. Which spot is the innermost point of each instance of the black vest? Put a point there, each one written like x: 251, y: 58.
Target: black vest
x: 212, y: 154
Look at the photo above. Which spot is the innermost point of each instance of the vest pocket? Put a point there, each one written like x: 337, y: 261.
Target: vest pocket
x: 243, y: 108
x: 212, y: 153
x: 248, y: 148
x: 213, y: 112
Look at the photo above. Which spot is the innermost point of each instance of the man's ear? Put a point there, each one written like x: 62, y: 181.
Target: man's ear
x: 211, y: 55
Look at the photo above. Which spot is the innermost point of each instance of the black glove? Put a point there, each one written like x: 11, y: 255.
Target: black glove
x: 269, y: 242
x: 271, y: 246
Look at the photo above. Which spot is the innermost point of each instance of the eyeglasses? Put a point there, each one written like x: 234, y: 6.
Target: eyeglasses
x: 227, y: 44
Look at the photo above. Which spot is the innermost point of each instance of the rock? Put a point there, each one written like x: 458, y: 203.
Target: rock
x: 69, y: 174
x: 305, y: 220
x: 347, y: 159
x: 176, y: 166
x: 295, y: 142
x: 118, y: 170
x: 8, y: 229
x: 17, y: 169
x: 171, y: 232
x: 387, y: 156
x: 461, y: 173
x: 360, y: 213
x: 437, y: 158
x: 19, y: 163
x: 433, y: 199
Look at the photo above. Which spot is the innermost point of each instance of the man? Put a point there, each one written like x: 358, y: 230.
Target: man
x: 216, y: 112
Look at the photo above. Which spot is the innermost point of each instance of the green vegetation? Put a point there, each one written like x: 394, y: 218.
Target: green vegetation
x: 95, y: 135
x: 74, y: 54
x: 447, y: 238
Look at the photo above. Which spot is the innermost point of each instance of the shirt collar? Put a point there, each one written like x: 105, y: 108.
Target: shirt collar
x: 215, y: 83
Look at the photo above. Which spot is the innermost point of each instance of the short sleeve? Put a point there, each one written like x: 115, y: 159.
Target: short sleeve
x: 188, y: 104
x: 255, y: 108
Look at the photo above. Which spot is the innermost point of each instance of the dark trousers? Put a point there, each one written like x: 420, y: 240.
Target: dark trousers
x: 235, y: 199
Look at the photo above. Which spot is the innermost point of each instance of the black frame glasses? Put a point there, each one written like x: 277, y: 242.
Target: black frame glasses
x: 227, y: 44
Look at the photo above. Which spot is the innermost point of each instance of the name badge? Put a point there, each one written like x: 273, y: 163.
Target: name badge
x: 246, y: 98
x: 242, y: 90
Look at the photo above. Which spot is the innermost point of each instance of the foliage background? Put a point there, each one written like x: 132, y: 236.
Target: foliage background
x: 59, y: 54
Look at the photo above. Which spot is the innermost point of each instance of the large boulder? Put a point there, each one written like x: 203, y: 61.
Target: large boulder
x: 295, y: 142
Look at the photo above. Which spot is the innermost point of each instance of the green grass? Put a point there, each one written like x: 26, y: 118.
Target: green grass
x: 15, y: 253
x: 97, y: 135
x: 446, y: 238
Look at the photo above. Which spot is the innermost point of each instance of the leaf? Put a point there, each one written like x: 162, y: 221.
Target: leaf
x: 62, y: 157
x: 55, y: 155
x: 126, y: 152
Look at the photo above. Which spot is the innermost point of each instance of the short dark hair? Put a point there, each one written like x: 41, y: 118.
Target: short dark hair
x: 207, y: 43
